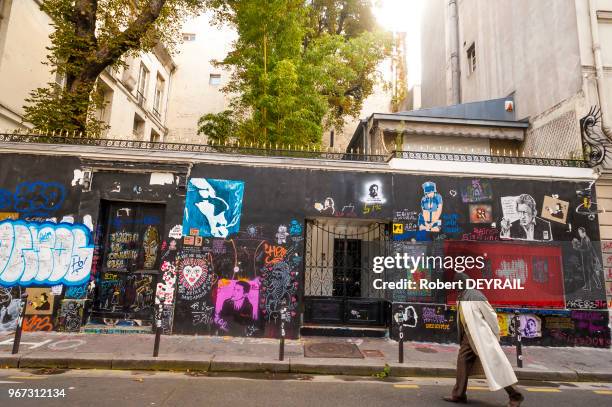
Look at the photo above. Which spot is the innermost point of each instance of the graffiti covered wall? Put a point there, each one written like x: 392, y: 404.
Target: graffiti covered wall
x: 224, y: 253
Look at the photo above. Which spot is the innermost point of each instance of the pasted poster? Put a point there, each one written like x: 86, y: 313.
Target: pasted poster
x: 40, y: 301
x: 477, y: 191
x: 213, y: 207
x: 237, y: 305
x: 555, y: 209
x: 481, y: 213
x: 520, y: 220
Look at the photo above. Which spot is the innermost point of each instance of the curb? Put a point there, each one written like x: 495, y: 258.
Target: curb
x: 9, y: 361
x: 64, y: 363
x: 546, y: 375
x: 160, y: 363
x: 237, y: 365
x: 250, y: 366
x: 595, y: 376
x: 335, y: 369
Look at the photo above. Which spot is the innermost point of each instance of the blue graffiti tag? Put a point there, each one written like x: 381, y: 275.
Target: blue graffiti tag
x: 33, y: 197
x: 44, y: 253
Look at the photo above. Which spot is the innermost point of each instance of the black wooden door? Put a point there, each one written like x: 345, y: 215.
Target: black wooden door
x: 338, y: 278
x: 125, y: 285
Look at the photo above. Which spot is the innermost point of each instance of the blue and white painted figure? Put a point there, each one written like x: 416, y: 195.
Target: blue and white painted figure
x: 431, y: 206
x: 213, y: 207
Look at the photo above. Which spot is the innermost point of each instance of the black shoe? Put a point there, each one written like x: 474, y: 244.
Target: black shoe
x: 516, y: 400
x: 450, y: 399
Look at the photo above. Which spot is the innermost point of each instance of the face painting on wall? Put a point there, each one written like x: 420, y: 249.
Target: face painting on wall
x: 213, y: 207
x: 520, y: 220
x: 373, y: 193
x: 328, y: 207
x: 236, y: 306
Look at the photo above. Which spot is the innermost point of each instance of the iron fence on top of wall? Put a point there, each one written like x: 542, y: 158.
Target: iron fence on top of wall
x: 283, y: 151
x: 486, y: 159
x: 234, y: 149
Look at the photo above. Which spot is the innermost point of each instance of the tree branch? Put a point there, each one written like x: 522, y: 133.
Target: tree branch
x: 128, y: 39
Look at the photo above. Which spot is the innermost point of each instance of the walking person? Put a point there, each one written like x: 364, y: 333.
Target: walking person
x: 479, y: 341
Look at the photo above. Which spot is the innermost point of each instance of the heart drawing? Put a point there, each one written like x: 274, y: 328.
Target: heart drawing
x: 192, y: 274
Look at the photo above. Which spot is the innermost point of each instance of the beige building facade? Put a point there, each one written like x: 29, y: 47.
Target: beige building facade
x: 197, y: 83
x: 553, y: 57
x: 136, y: 96
x: 543, y: 53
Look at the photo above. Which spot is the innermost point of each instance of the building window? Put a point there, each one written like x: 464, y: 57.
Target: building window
x: 215, y: 79
x: 138, y: 127
x: 143, y: 77
x: 155, y: 137
x: 189, y: 37
x: 159, y: 94
x: 471, y: 58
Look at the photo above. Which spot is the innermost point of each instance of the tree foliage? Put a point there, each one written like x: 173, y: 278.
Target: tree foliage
x: 88, y: 36
x: 298, y: 67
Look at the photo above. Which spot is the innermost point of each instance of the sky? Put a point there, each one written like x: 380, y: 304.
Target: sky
x: 404, y: 15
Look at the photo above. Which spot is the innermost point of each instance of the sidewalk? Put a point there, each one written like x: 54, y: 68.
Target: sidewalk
x: 227, y: 354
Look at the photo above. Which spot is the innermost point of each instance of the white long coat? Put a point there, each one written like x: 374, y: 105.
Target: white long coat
x: 483, y: 328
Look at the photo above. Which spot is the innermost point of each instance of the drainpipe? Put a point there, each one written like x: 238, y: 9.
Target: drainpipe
x: 453, y: 39
x: 603, y: 103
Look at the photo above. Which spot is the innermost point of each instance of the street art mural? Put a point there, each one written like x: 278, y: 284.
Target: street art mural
x: 36, y: 323
x: 70, y: 316
x: 520, y: 220
x: 476, y: 191
x: 9, y: 308
x: 328, y: 207
x: 211, y: 242
x: 44, y: 253
x: 236, y: 305
x: 481, y: 213
x: 555, y: 209
x: 213, y: 207
x: 238, y: 286
x: 40, y: 301
x: 590, y: 264
x: 33, y: 198
x: 431, y: 208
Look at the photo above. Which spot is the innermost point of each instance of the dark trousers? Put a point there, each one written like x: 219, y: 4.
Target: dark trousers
x: 465, y: 362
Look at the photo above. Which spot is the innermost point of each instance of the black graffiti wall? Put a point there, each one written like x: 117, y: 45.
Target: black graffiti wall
x: 221, y: 247
x: 39, y: 211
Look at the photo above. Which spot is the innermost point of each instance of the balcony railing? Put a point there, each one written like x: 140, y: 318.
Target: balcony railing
x: 140, y: 98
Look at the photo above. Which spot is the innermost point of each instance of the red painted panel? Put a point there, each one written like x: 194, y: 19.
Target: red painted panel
x: 538, y: 267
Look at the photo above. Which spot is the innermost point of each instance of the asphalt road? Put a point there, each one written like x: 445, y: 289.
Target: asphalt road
x: 125, y: 388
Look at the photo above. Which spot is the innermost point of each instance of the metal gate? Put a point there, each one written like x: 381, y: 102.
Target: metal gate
x: 338, y: 277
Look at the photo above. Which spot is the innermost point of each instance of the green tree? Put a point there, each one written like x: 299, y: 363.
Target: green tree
x: 217, y: 126
x: 298, y: 67
x: 88, y: 36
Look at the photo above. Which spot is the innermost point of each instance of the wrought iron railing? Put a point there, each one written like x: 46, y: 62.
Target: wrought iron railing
x: 233, y: 149
x: 282, y: 151
x: 486, y: 159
